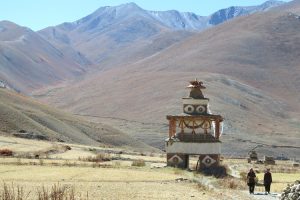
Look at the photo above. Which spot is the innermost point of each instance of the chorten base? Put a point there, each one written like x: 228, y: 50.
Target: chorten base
x: 191, y: 148
x: 182, y: 161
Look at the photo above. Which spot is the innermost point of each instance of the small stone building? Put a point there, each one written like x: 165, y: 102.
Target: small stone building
x: 194, y: 132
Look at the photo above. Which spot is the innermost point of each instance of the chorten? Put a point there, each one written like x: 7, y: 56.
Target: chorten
x: 194, y: 132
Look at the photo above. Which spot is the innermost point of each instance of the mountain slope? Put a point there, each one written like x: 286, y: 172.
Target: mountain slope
x: 140, y: 101
x: 28, y: 62
x: 263, y: 52
x: 23, y: 117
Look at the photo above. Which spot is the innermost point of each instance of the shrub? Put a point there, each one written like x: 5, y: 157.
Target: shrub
x: 69, y: 164
x: 243, y: 176
x: 151, y: 154
x: 12, y: 193
x: 68, y: 148
x: 202, y: 187
x: 19, y: 161
x: 41, y: 162
x: 233, y: 183
x: 6, y: 152
x: 138, y: 163
x: 218, y: 171
x: 101, y: 157
x: 117, y: 164
x: 230, y: 183
x: 92, y: 149
x: 57, y: 192
x: 95, y: 164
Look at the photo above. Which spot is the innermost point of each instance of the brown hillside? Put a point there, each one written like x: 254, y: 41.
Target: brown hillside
x: 137, y: 103
x: 261, y: 50
x: 23, y: 117
x: 28, y: 62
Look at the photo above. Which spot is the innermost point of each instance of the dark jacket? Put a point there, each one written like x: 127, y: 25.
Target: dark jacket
x: 267, y: 178
x: 251, y: 178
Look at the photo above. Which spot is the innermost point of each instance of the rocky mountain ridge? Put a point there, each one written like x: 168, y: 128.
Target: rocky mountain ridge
x: 236, y: 11
x: 131, y: 33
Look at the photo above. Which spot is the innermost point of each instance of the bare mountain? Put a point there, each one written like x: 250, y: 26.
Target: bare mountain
x: 126, y: 32
x: 236, y: 11
x: 28, y: 62
x: 130, y: 33
x: 21, y: 116
x: 251, y: 67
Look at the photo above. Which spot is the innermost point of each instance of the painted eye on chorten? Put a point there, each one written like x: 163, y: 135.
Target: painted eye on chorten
x: 208, y: 161
x: 200, y: 109
x: 189, y: 109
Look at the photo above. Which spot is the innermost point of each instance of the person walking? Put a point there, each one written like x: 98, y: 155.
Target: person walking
x: 267, y: 181
x: 251, y: 180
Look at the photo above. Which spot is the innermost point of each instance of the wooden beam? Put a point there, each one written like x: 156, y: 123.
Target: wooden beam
x: 217, y: 129
x: 196, y: 117
x: 172, y: 127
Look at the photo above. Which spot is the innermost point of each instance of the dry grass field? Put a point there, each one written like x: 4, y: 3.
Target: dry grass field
x: 99, y: 183
x: 120, y: 174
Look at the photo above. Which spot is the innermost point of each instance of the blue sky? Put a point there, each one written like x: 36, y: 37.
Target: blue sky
x: 38, y: 14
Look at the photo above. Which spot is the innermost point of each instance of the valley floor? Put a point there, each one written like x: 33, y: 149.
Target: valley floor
x: 112, y: 183
x: 120, y: 174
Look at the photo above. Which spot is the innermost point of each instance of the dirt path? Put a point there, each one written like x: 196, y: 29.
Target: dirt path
x: 263, y: 196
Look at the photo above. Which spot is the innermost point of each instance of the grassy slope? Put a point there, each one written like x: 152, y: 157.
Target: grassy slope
x: 18, y: 113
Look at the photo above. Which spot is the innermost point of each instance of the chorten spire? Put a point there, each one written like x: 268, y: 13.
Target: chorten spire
x: 196, y: 87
